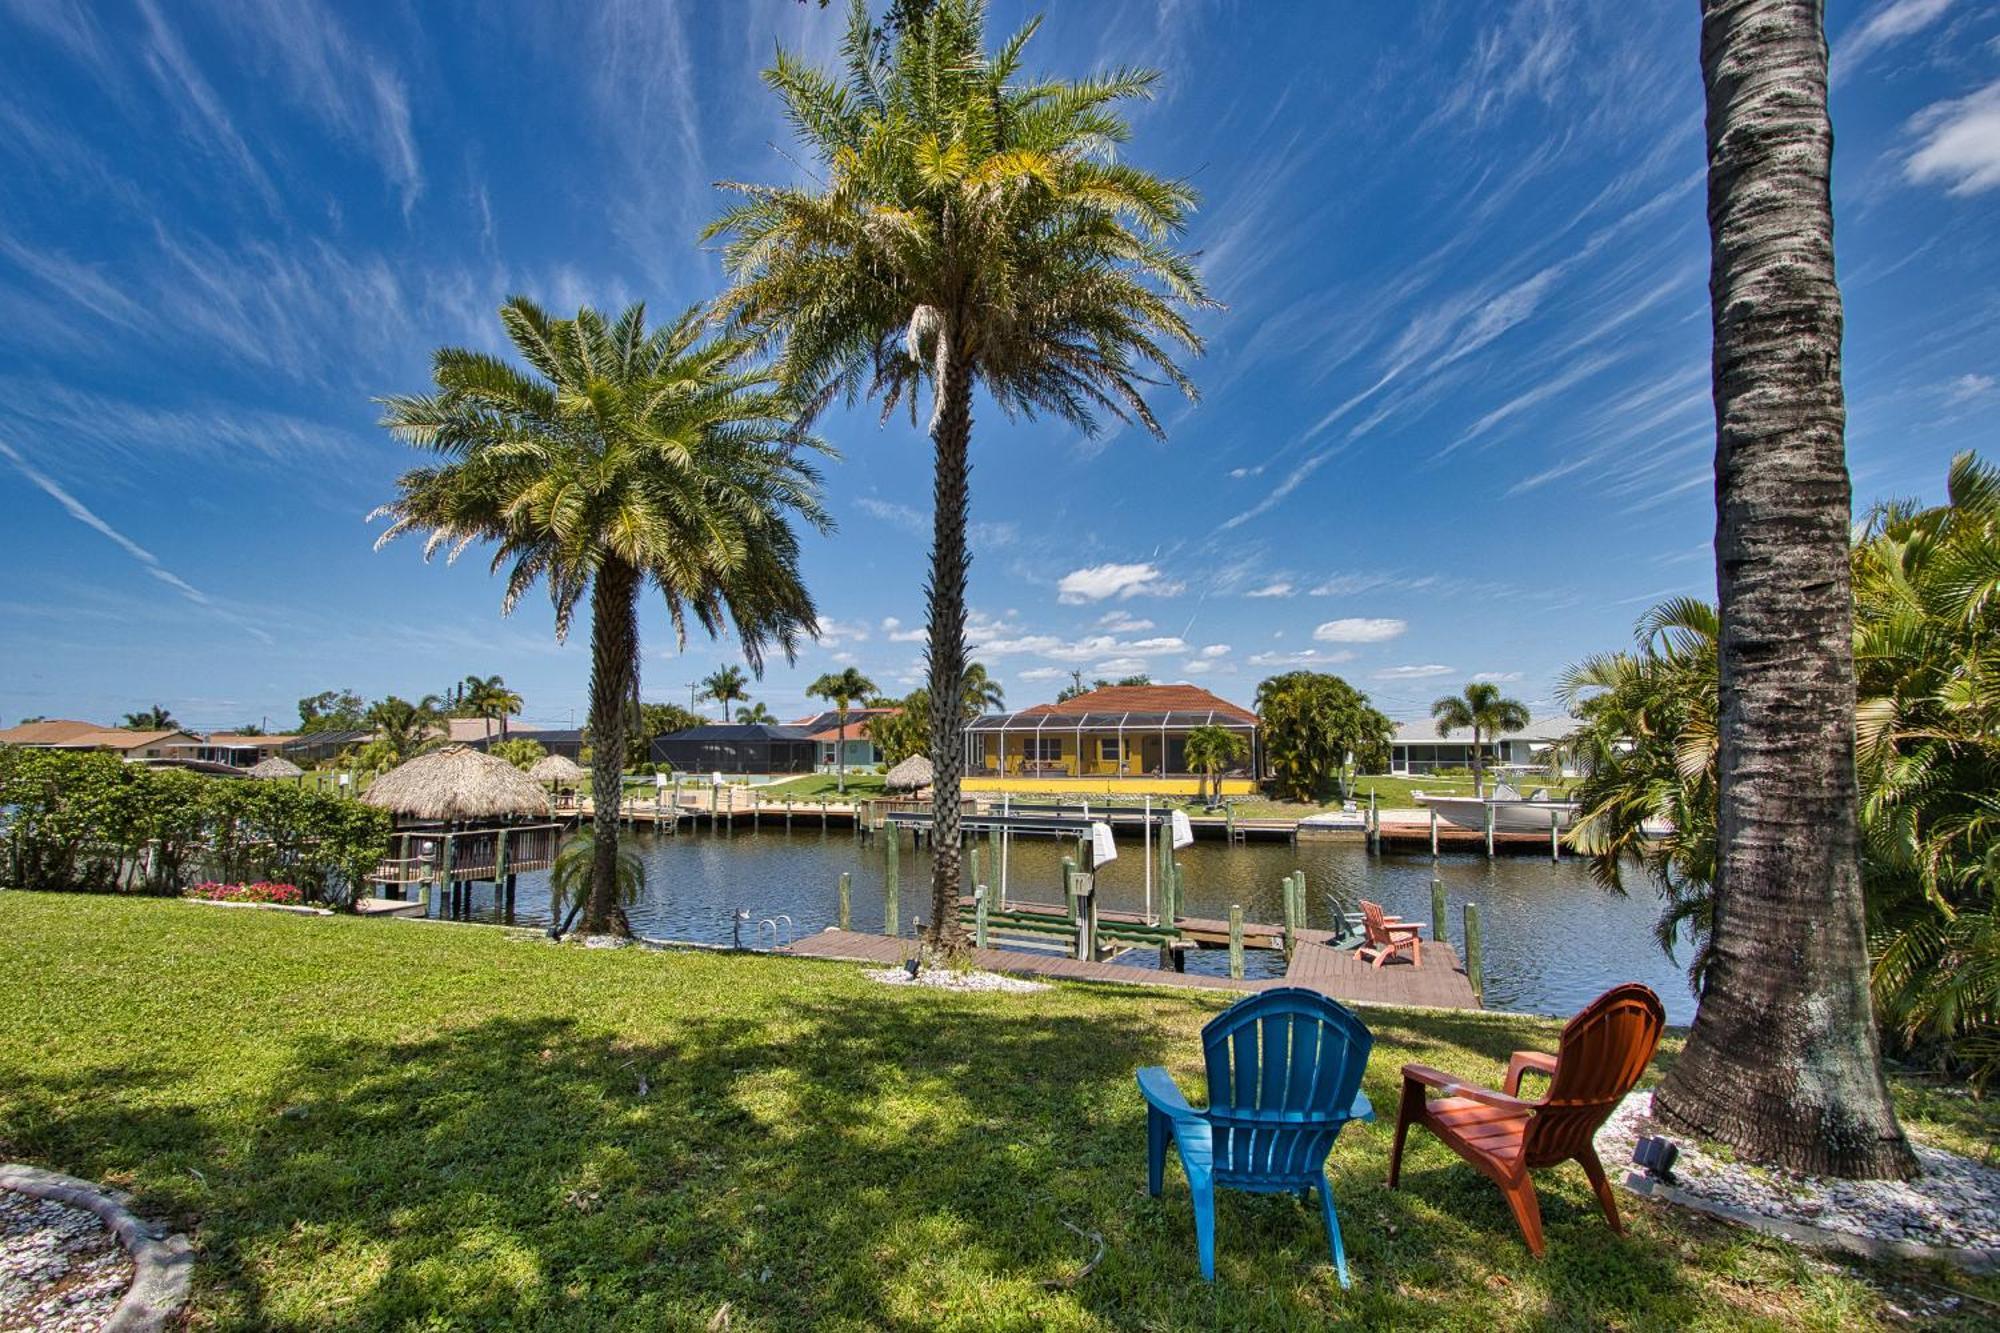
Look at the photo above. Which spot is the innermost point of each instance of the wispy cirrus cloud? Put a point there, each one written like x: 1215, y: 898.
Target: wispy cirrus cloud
x: 1886, y: 24
x: 1958, y: 143
x: 1098, y: 582
x: 148, y: 562
x: 1423, y: 671
x: 1361, y: 629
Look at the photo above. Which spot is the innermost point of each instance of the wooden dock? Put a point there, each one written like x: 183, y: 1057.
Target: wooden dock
x: 1335, y: 973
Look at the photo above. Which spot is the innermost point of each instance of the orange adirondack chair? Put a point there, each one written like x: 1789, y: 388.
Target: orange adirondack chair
x: 1388, y: 936
x: 1603, y: 1051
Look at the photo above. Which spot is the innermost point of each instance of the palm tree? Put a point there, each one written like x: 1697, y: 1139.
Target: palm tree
x: 403, y: 728
x: 488, y: 697
x: 1783, y: 1061
x: 619, y: 458
x: 1212, y: 750
x: 156, y: 718
x: 756, y: 712
x: 724, y: 684
x: 841, y: 689
x: 1483, y: 709
x: 983, y: 694
x: 967, y: 224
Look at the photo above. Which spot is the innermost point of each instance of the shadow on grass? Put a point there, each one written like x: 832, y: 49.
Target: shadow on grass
x: 861, y: 1159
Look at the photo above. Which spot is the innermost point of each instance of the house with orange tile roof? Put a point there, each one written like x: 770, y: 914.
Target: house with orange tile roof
x: 826, y: 731
x: 1128, y: 739
x: 69, y: 734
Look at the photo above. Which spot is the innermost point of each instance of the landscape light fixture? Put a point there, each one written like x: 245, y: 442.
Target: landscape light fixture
x: 1657, y: 1156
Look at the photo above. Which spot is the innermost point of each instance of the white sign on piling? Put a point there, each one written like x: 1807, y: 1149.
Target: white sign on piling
x: 1183, y: 830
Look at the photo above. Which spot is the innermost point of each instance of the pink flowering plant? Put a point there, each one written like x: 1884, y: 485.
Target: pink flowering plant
x: 263, y: 891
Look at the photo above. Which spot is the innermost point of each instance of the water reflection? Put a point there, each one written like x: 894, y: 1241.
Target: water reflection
x: 1553, y: 938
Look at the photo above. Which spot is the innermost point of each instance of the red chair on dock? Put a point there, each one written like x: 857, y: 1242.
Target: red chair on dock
x: 1603, y: 1051
x: 1387, y: 936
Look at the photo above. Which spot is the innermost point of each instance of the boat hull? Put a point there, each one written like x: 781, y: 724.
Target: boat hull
x: 1469, y: 812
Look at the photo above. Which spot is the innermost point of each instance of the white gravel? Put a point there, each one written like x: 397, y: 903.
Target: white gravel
x: 61, y: 1269
x: 1954, y: 1204
x: 948, y: 979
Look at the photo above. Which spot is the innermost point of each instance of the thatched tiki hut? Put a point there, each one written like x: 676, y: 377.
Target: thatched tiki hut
x: 560, y: 774
x: 913, y: 774
x: 275, y: 767
x: 462, y: 817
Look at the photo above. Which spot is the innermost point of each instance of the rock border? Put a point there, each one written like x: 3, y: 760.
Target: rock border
x: 162, y: 1261
x: 295, y: 909
x: 1972, y: 1259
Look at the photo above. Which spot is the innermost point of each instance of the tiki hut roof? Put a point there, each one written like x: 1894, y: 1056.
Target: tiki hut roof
x: 457, y: 782
x: 912, y: 774
x: 556, y: 768
x: 275, y: 767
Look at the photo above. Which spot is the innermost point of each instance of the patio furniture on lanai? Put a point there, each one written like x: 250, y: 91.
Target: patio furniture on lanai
x: 1603, y: 1051
x: 1388, y: 936
x: 1284, y: 1074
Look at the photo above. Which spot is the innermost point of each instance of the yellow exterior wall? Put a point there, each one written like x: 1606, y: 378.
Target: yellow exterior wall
x: 1100, y: 786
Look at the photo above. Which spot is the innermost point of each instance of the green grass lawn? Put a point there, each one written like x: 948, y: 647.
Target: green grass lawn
x: 815, y: 785
x: 369, y: 1124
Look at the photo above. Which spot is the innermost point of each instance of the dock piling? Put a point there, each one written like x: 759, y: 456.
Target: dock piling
x: 1236, y: 941
x: 891, y: 888
x: 1555, y: 838
x: 979, y: 917
x: 1438, y: 931
x: 1434, y: 832
x: 1069, y: 887
x: 1489, y: 832
x: 846, y: 899
x: 1475, y: 963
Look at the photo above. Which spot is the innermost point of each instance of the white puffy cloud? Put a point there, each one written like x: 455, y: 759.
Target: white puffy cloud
x: 1966, y: 388
x: 1279, y: 589
x: 1123, y: 622
x: 1099, y: 582
x: 1120, y: 666
x: 1042, y: 673
x: 1360, y: 629
x: 1959, y: 143
x: 834, y: 632
x: 1423, y: 672
x: 1215, y: 650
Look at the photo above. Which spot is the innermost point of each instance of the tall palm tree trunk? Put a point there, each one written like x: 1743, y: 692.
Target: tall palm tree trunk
x: 1478, y: 764
x: 951, y: 439
x: 840, y: 749
x: 1783, y: 1061
x: 614, y: 658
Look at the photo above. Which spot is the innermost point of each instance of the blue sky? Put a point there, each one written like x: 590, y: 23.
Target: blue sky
x: 1455, y: 417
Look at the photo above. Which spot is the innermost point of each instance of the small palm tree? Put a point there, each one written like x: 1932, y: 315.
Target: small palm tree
x: 1212, y: 751
x: 570, y: 880
x: 965, y: 223
x: 156, y: 718
x: 402, y: 728
x: 756, y: 712
x: 1482, y: 708
x: 725, y: 684
x: 983, y: 694
x: 619, y: 458
x: 488, y: 697
x: 841, y: 689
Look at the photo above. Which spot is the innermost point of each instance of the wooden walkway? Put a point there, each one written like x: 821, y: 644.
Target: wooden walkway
x: 1332, y: 972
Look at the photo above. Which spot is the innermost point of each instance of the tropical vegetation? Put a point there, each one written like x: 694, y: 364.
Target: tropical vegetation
x: 1313, y: 726
x: 907, y: 729
x: 619, y: 459
x: 724, y: 685
x: 88, y: 821
x: 1483, y: 710
x: 1927, y: 755
x: 488, y: 697
x: 1211, y: 752
x: 962, y: 222
x: 522, y: 754
x: 156, y: 718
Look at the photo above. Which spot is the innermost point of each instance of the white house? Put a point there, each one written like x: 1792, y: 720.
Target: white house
x: 1417, y: 747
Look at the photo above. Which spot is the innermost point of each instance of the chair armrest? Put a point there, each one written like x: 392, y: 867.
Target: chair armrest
x: 1455, y: 1087
x: 1164, y: 1095
x: 1524, y: 1061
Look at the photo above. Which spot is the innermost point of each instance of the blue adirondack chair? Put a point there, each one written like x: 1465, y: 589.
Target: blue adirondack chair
x: 1284, y: 1074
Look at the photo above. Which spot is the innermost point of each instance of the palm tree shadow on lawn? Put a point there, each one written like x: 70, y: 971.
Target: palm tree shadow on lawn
x: 859, y: 1161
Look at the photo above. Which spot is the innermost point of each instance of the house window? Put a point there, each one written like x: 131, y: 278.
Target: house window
x: 1111, y: 749
x: 1045, y: 749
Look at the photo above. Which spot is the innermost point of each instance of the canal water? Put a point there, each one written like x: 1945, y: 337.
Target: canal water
x: 1553, y: 938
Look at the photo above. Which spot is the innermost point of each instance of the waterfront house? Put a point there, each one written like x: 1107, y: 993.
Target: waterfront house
x: 230, y: 749
x: 736, y: 748
x: 826, y: 732
x: 1417, y: 747
x: 69, y: 734
x: 1128, y: 739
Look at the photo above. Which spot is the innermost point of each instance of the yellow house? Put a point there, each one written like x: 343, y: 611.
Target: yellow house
x: 1118, y: 738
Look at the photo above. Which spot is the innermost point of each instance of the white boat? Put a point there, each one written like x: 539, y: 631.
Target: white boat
x: 1511, y: 811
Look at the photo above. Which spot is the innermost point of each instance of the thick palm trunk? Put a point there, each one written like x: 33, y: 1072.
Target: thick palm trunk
x: 1782, y: 1062
x: 1478, y: 764
x: 614, y: 669
x: 951, y: 439
x: 840, y: 752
